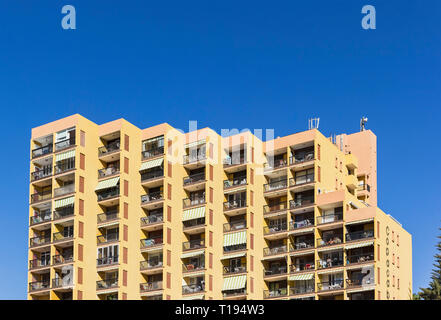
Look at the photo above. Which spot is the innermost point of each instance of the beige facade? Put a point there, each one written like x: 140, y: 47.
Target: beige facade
x: 118, y: 212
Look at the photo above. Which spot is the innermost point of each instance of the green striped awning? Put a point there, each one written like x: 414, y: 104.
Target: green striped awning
x: 232, y: 239
x: 107, y: 184
x: 234, y: 283
x: 194, y: 213
x: 299, y: 277
x: 65, y: 155
x: 194, y: 144
x: 151, y: 164
x: 359, y: 245
x: 192, y: 254
x: 237, y: 255
x: 64, y: 202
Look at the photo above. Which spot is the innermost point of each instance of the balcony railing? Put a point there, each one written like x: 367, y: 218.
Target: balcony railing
x: 150, y: 264
x: 107, y: 216
x: 192, y: 267
x: 62, y: 236
x: 41, y: 151
x: 187, y: 289
x: 107, y: 172
x: 38, y: 241
x: 107, y: 238
x: 329, y: 218
x: 303, y: 157
x: 274, y: 250
x: 298, y: 203
x: 151, y: 219
x: 153, y: 196
x: 60, y: 259
x: 107, y: 261
x: 235, y: 292
x: 267, y: 294
x: 111, y: 147
x: 329, y: 263
x: 58, y: 283
x: 329, y: 241
x: 107, y: 284
x: 193, y: 244
x: 235, y: 204
x: 41, y: 174
x: 233, y: 226
x: 301, y: 224
x: 193, y: 178
x: 39, y: 263
x: 193, y: 158
x: 60, y: 145
x: 330, y: 285
x: 65, y: 165
x: 236, y: 247
x: 359, y: 258
x: 275, y: 271
x: 193, y: 202
x: 276, y: 228
x: 363, y: 187
x: 151, y: 174
x: 151, y: 242
x: 40, y: 217
x: 301, y: 290
x: 64, y: 213
x: 298, y: 267
x: 108, y: 194
x: 147, y: 154
x: 41, y: 196
x: 235, y: 269
x: 39, y: 285
x: 229, y: 161
x: 275, y: 185
x: 278, y: 163
x: 235, y: 182
x: 194, y: 223
x: 301, y: 180
x: 64, y: 190
x: 302, y: 245
x: 275, y: 207
x: 358, y: 235
x: 150, y: 286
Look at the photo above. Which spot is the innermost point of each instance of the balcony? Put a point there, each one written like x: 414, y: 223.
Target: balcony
x: 274, y: 271
x: 301, y: 203
x: 61, y: 259
x: 330, y: 241
x: 107, y: 217
x: 234, y: 293
x: 150, y: 175
x: 192, y: 159
x: 40, y: 217
x: 329, y: 263
x: 359, y: 235
x: 108, y: 172
x: 294, y: 225
x: 234, y: 204
x: 330, y: 218
x: 194, y: 288
x: 107, y: 284
x: 193, y: 244
x: 229, y: 161
x: 364, y: 187
x: 236, y: 247
x: 300, y: 267
x: 41, y: 196
x: 297, y: 290
x: 276, y: 228
x: 64, y: 213
x: 63, y: 236
x: 109, y: 193
x: 41, y: 151
x: 151, y: 219
x: 41, y: 174
x: 147, y: 154
x: 151, y: 242
x: 192, y: 224
x: 39, y: 285
x: 275, y: 185
x: 302, y: 183
x: 64, y: 166
x: 269, y: 294
x: 277, y: 164
x: 64, y: 144
x: 359, y: 258
x: 39, y: 241
x: 107, y: 261
x: 302, y: 245
x: 150, y: 264
x: 151, y: 197
x: 280, y: 207
x: 194, y: 178
x: 110, y: 148
x: 195, y: 201
x: 150, y: 286
x: 233, y: 226
x: 59, y: 283
x: 110, y: 237
x: 228, y: 270
x: 40, y: 263
x: 237, y: 182
x: 302, y: 157
x: 192, y: 267
x: 58, y: 192
x: 274, y: 250
x: 330, y: 285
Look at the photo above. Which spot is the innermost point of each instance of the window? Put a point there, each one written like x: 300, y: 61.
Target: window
x: 82, y: 138
x: 81, y: 188
x: 80, y: 252
x: 319, y: 174
x: 211, y: 172
x: 125, y: 255
x: 81, y: 207
x: 168, y: 258
x: 210, y: 239
x: 169, y: 191
x: 126, y: 165
x: 169, y: 213
x: 126, y: 142
x: 210, y: 216
x: 252, y: 176
x: 169, y: 169
x: 126, y: 233
x: 80, y: 275
x: 80, y: 229
x: 210, y: 260
x: 126, y: 210
x: 82, y: 161
x: 318, y: 152
x: 378, y: 229
x: 126, y: 188
x: 168, y: 235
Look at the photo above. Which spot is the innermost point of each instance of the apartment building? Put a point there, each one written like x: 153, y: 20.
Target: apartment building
x: 117, y: 212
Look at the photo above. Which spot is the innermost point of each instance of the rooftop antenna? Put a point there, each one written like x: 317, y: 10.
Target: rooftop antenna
x: 313, y: 123
x: 363, y: 123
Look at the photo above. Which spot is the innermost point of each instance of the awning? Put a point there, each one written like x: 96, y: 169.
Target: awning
x: 232, y: 239
x: 332, y: 248
x: 192, y: 254
x: 196, y: 297
x: 193, y: 274
x: 237, y: 255
x: 301, y: 253
x: 107, y: 183
x: 299, y: 277
x: 65, y: 155
x: 64, y: 202
x: 234, y: 283
x: 359, y: 221
x: 194, y: 144
x: 194, y: 213
x: 151, y: 164
x: 330, y: 271
x: 359, y: 245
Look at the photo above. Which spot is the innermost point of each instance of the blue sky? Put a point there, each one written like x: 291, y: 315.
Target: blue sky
x: 228, y: 64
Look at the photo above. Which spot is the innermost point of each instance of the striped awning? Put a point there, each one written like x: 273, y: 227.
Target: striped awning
x: 196, y: 297
x: 194, y: 274
x: 107, y: 183
x: 64, y: 202
x: 299, y: 277
x: 194, y: 213
x: 234, y: 283
x: 332, y: 248
x: 151, y: 164
x: 232, y: 239
x: 65, y: 155
x: 194, y: 144
x: 359, y: 245
x: 237, y: 255
x: 301, y: 253
x: 192, y: 254
x: 359, y: 221
x: 330, y: 271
